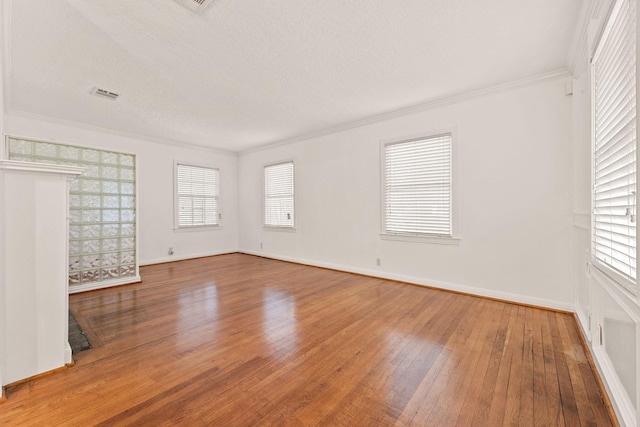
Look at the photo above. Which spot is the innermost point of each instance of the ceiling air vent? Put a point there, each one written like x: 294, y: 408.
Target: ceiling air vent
x: 104, y: 93
x: 197, y: 6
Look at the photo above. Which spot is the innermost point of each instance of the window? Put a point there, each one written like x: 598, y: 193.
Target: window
x: 279, y: 202
x: 198, y: 196
x: 417, y: 187
x: 102, y: 211
x: 614, y: 155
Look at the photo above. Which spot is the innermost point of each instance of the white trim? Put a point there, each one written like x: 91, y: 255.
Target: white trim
x: 185, y: 257
x: 612, y: 278
x: 610, y: 16
x: 582, y: 220
x: 32, y: 167
x: 68, y: 353
x: 425, y: 106
x: 282, y: 228
x: 199, y: 228
x: 9, y: 136
x: 576, y: 55
x: 438, y: 240
x: 454, y: 239
x: 281, y: 162
x: 471, y: 290
x: 176, y: 224
x: 105, y: 284
x: 621, y: 403
x: 619, y: 294
x: 623, y: 406
x: 124, y: 134
x: 292, y: 228
x: 583, y: 322
x: 579, y: 50
x: 137, y: 223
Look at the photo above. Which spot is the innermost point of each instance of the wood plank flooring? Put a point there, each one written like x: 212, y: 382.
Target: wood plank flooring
x: 237, y: 340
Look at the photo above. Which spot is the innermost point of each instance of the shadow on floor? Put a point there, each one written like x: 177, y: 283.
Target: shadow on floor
x: 77, y: 339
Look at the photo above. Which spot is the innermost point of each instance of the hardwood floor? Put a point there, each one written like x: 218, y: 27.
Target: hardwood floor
x: 237, y: 340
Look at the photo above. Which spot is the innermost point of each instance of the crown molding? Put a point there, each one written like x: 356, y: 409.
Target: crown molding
x: 438, y: 103
x: 6, y: 101
x: 124, y: 134
x: 429, y: 105
x: 574, y: 58
x: 579, y: 50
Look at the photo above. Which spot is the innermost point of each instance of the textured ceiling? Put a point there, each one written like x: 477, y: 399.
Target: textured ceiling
x: 252, y: 72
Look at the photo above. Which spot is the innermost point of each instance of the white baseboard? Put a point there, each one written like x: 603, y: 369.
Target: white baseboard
x: 583, y: 323
x: 106, y: 284
x: 613, y: 387
x: 68, y: 354
x: 472, y: 290
x: 622, y: 405
x: 183, y: 257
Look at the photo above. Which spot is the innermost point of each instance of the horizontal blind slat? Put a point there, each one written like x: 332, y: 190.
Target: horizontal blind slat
x: 614, y: 161
x: 418, y: 186
x: 279, y: 195
x: 198, y: 195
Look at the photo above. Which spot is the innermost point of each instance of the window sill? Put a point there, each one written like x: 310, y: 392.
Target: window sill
x: 614, y: 279
x: 197, y: 228
x: 436, y: 240
x: 273, y: 228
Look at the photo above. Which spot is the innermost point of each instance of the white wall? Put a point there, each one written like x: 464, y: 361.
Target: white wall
x: 2, y: 214
x: 513, y: 188
x: 3, y: 315
x: 155, y: 163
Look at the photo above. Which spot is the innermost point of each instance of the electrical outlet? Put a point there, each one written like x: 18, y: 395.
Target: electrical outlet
x: 170, y: 251
x: 600, y: 334
x: 378, y: 262
x: 260, y: 245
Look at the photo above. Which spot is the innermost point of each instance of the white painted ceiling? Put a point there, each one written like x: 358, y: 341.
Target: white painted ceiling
x: 252, y: 72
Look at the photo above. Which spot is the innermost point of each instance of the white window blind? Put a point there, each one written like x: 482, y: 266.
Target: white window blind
x: 198, y: 196
x: 614, y: 174
x: 418, y: 187
x: 279, y: 195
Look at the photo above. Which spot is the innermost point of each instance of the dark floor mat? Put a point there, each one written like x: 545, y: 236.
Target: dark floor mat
x: 77, y: 339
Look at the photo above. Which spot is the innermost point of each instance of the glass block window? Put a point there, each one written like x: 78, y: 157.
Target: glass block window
x: 102, y: 225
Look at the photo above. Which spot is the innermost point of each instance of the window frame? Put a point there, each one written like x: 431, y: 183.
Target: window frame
x: 454, y: 238
x: 176, y: 205
x: 286, y: 228
x: 623, y: 282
